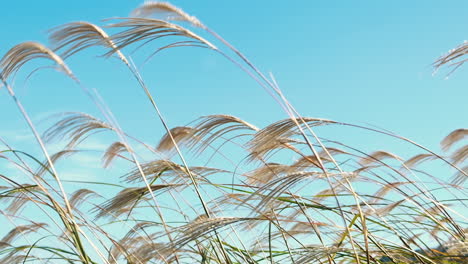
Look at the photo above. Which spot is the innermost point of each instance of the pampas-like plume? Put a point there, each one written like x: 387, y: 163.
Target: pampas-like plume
x: 377, y: 157
x: 387, y: 209
x: 460, y: 178
x: 451, y: 58
x: 113, y: 151
x: 20, y: 196
x: 169, y: 11
x: 77, y: 36
x: 285, y: 128
x: 452, y: 138
x: 213, y: 127
x: 280, y: 135
x: 80, y: 196
x: 173, y: 172
x: 54, y: 158
x: 10, y: 236
x: 151, y: 29
x: 415, y: 160
x: 76, y: 127
x: 181, y: 135
x: 128, y: 197
x: 277, y: 187
x: 20, y: 54
x: 379, y: 195
x: 203, y: 225
x: 460, y: 155
x: 265, y: 174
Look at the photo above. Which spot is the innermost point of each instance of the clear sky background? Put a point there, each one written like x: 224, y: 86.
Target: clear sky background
x: 352, y: 61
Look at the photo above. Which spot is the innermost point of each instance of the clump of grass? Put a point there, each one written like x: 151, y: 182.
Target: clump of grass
x: 326, y: 202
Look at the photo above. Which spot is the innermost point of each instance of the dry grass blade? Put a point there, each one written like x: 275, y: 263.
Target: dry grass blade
x: 20, y: 54
x: 147, y: 29
x: 452, y: 138
x: 76, y: 127
x: 328, y: 193
x: 77, y: 36
x: 167, y: 10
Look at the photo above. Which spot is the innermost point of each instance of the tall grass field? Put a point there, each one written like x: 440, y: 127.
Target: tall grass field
x: 220, y: 189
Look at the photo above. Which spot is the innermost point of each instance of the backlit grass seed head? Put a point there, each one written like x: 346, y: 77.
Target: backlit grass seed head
x: 21, y: 230
x: 377, y: 157
x: 417, y: 159
x: 147, y: 30
x: 167, y: 11
x: 75, y: 127
x: 453, y: 138
x: 181, y: 135
x: 113, y: 151
x: 24, y: 52
x: 74, y: 37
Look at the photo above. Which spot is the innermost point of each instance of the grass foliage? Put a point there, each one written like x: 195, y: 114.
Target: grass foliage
x: 293, y: 197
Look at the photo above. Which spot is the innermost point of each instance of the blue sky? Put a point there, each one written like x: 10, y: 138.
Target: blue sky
x: 352, y: 61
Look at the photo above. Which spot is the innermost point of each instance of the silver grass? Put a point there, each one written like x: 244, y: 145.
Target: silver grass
x: 280, y: 133
x: 266, y: 173
x: 454, y: 58
x: 460, y: 178
x: 378, y: 156
x: 21, y: 230
x: 128, y: 198
x: 148, y: 30
x: 76, y: 127
x: 24, y: 52
x: 167, y: 11
x: 76, y: 36
x: 80, y: 196
x: 180, y: 134
x: 210, y: 128
x: 460, y: 155
x: 113, y: 151
x: 454, y: 137
x: 202, y: 226
x: 171, y: 171
x: 417, y: 159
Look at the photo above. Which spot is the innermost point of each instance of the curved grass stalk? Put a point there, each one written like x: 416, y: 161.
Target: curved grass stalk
x: 11, y: 63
